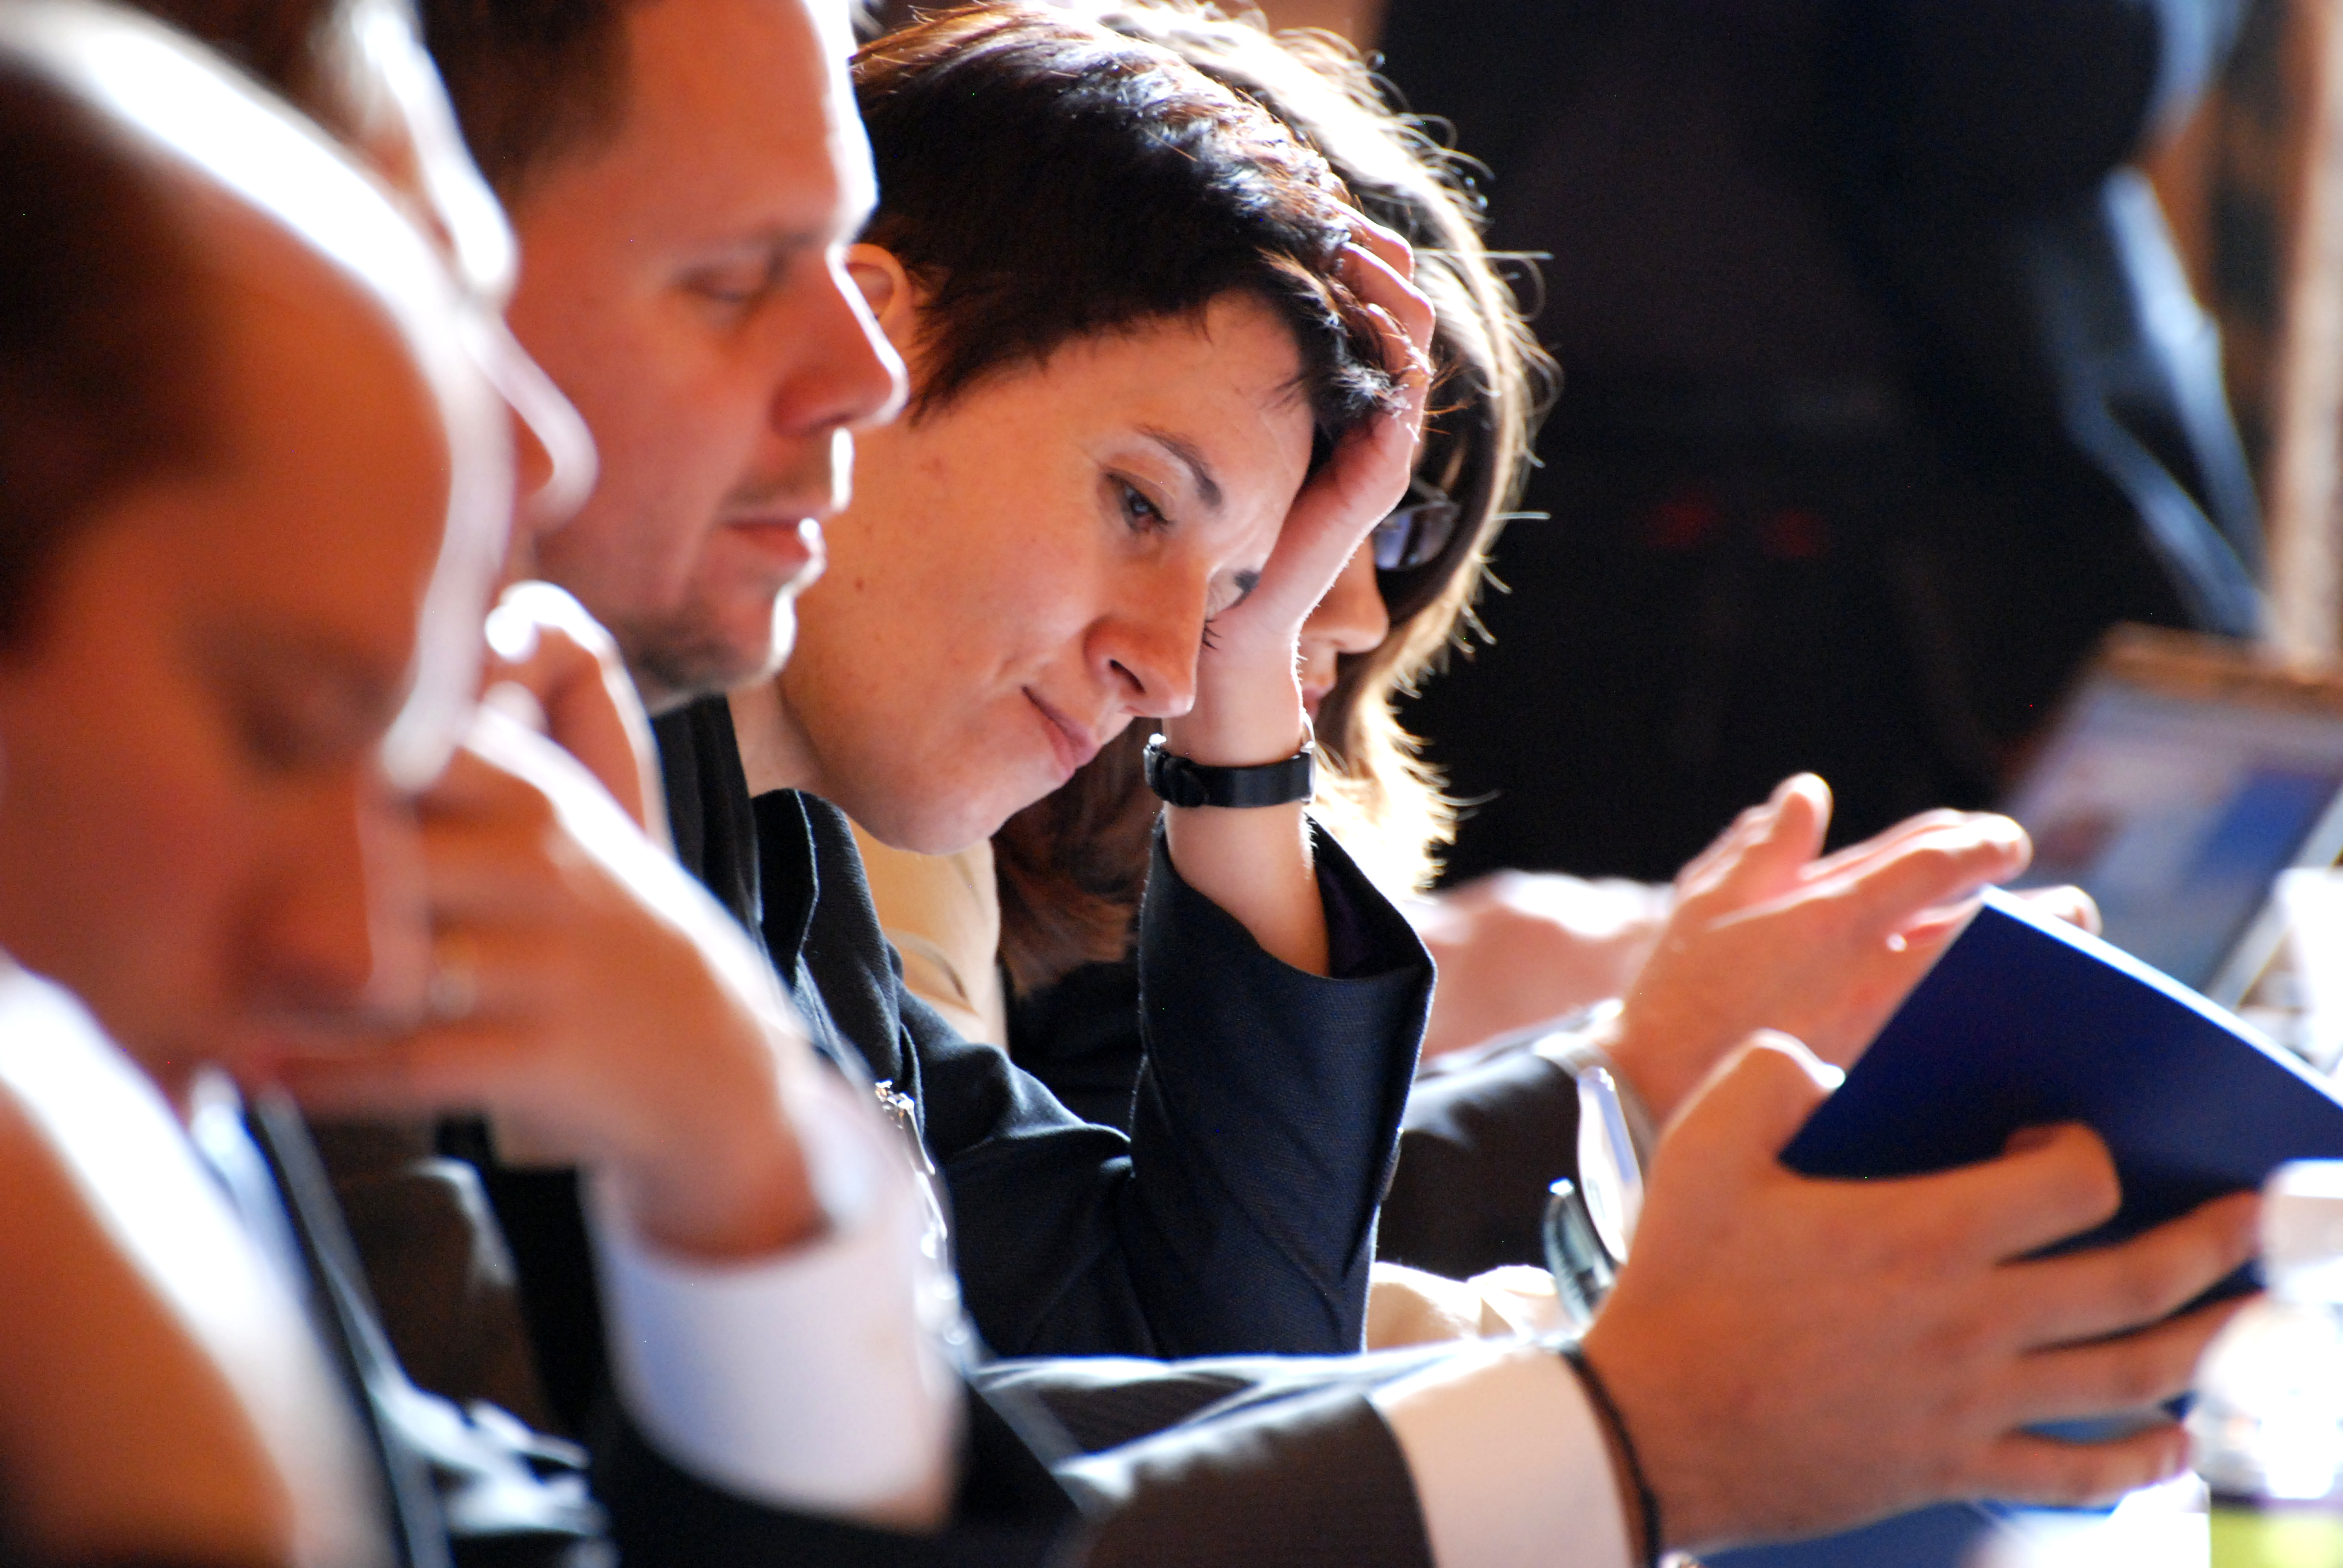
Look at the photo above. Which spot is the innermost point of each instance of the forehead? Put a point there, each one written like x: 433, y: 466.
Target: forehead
x: 336, y: 474
x: 738, y: 114
x: 1228, y: 373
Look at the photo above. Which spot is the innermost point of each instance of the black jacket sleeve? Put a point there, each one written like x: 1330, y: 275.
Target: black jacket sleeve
x: 1010, y: 1512
x: 1479, y: 1147
x: 1317, y: 1483
x: 1239, y: 1215
x: 1293, y: 1467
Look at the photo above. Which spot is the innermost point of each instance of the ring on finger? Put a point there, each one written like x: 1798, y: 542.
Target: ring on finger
x: 453, y: 992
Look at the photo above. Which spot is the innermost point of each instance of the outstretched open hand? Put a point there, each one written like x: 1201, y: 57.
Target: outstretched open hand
x: 1769, y: 933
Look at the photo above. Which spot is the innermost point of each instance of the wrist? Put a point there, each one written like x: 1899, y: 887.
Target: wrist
x: 1650, y: 1072
x: 1639, y: 1505
x: 1241, y: 718
x: 710, y: 1210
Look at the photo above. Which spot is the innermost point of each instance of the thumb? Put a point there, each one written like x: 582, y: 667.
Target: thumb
x: 1753, y: 1104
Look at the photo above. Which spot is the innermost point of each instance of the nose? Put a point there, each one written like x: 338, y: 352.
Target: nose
x: 1352, y: 617
x: 1145, y: 653
x: 844, y: 373
x: 345, y: 929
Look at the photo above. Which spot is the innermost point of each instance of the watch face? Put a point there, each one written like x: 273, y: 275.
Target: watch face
x: 1608, y: 1172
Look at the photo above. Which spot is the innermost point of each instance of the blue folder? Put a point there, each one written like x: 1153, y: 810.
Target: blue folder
x: 2027, y: 1021
x: 2024, y: 1021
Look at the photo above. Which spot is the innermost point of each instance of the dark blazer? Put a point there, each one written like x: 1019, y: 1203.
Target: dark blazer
x: 1479, y: 1142
x: 1238, y: 1215
x: 1236, y: 1461
x: 1217, y: 1464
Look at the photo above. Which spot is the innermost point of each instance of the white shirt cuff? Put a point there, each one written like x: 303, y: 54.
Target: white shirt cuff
x: 813, y: 1380
x: 1509, y: 1461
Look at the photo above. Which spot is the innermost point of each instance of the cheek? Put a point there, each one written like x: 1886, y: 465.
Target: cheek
x: 129, y: 837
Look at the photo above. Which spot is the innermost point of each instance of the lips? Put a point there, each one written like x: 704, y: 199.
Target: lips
x: 794, y: 545
x: 1073, y: 744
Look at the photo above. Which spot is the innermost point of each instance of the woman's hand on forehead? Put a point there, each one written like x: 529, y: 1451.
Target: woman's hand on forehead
x: 1369, y: 472
x: 1257, y: 863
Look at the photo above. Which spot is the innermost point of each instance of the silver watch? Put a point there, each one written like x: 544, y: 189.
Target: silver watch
x: 1590, y: 1222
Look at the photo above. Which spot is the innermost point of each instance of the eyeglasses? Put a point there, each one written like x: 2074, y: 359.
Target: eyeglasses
x: 1417, y: 530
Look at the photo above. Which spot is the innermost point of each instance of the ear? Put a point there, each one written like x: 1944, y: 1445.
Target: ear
x: 888, y: 289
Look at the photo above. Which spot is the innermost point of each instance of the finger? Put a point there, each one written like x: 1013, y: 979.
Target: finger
x: 1383, y: 287
x: 1744, y: 829
x: 2133, y: 1373
x: 2024, y: 1468
x: 2072, y: 905
x: 1932, y: 873
x: 1785, y: 839
x: 1879, y: 846
x: 470, y: 785
x: 1751, y: 1106
x: 2024, y: 1201
x: 1922, y: 938
x: 2108, y: 1289
x: 453, y: 1068
x: 473, y: 972
x: 491, y: 872
x: 1384, y: 280
x: 1935, y: 831
x: 502, y: 769
x: 1386, y: 244
x: 526, y: 612
x: 548, y: 645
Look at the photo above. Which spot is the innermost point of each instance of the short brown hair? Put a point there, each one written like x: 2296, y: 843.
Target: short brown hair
x: 532, y: 80
x: 1047, y: 180
x: 104, y: 346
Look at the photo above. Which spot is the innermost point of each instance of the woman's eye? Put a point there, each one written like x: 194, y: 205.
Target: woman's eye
x: 1143, y: 515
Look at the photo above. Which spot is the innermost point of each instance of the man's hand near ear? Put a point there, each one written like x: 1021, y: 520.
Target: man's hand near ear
x: 1792, y: 1355
x: 554, y: 666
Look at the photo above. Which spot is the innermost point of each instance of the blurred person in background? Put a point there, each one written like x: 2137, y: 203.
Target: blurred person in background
x: 1884, y: 394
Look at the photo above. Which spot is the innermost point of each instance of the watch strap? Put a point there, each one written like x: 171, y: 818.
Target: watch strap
x: 1191, y: 784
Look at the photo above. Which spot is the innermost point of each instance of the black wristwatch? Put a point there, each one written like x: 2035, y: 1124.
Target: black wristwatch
x: 1185, y: 783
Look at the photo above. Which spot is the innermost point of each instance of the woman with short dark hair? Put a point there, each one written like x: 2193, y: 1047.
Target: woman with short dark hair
x: 1164, y: 379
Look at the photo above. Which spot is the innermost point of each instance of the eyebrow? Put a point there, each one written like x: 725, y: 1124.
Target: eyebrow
x: 1207, y: 487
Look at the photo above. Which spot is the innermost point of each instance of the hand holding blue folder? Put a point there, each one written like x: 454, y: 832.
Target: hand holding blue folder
x: 2027, y: 1021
